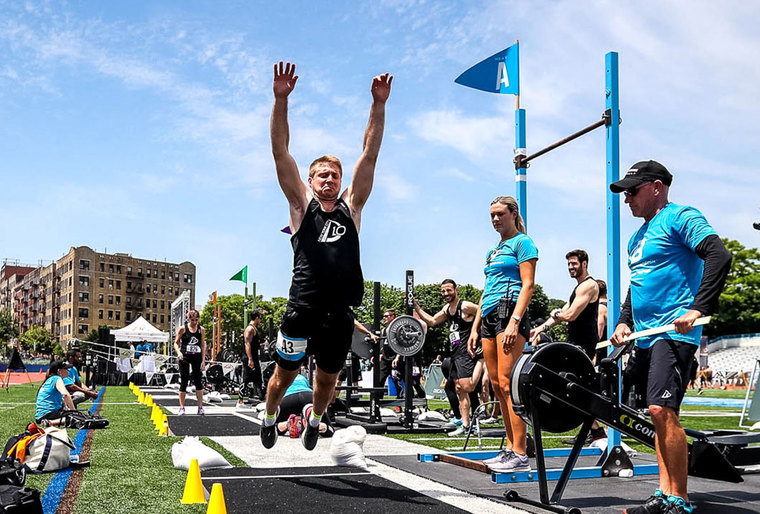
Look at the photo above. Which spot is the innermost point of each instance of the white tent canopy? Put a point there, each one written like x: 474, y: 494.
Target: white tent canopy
x: 140, y: 330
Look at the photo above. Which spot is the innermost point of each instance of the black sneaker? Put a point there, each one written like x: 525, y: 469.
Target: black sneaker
x: 655, y: 504
x: 269, y: 434
x: 309, y: 434
x: 571, y: 442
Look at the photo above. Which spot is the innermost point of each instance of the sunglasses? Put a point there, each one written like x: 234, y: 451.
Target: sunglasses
x: 632, y: 191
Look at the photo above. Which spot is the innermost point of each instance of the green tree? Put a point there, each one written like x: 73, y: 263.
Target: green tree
x: 739, y: 306
x: 8, y: 329
x: 41, y: 340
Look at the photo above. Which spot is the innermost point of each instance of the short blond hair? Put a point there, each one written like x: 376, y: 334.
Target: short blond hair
x: 329, y: 159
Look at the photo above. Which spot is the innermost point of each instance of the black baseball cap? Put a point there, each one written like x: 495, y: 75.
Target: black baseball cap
x: 55, y: 366
x: 642, y: 171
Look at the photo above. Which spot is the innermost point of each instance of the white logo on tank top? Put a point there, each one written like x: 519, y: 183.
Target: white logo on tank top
x: 331, y: 232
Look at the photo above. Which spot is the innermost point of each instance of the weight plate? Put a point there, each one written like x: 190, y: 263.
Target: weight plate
x: 406, y: 335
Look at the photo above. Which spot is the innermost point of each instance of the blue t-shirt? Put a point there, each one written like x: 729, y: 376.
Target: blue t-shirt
x: 49, y: 399
x: 502, y: 270
x: 148, y: 347
x: 139, y: 351
x: 73, y: 375
x: 300, y: 385
x: 666, y: 271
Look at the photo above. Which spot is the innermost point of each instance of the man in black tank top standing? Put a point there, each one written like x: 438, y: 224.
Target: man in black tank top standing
x: 581, y: 314
x: 466, y: 369
x: 327, y: 277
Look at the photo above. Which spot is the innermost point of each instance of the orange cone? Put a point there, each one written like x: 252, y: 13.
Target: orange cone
x: 216, y: 503
x: 194, y: 492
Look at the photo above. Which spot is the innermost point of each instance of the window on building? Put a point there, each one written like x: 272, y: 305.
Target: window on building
x: 162, y: 318
x: 129, y: 316
x: 155, y: 289
x: 84, y: 296
x: 84, y: 329
x: 155, y: 304
x: 110, y: 314
x: 118, y: 284
x: 118, y: 300
x: 100, y: 314
x: 171, y: 290
x: 84, y: 313
x: 129, y: 300
x: 118, y: 315
x: 70, y: 281
x: 110, y: 283
x: 110, y: 268
x: 188, y: 278
x: 102, y: 266
x: 129, y: 270
x: 163, y: 289
x: 163, y: 274
x: 162, y: 304
x: 176, y: 276
x: 84, y: 281
x: 100, y: 298
x: 118, y: 268
x: 69, y: 297
x: 102, y: 282
x: 84, y: 264
x: 110, y: 299
x: 154, y: 318
x: 139, y: 272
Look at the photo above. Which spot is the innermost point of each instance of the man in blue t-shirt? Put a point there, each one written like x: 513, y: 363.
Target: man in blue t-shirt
x: 678, y: 268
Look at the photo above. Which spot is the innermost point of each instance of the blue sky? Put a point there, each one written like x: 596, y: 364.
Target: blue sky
x: 142, y: 127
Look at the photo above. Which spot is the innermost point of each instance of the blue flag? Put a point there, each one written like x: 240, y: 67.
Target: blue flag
x: 500, y: 73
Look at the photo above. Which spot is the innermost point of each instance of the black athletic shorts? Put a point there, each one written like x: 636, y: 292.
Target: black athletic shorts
x: 492, y: 324
x: 462, y: 365
x: 660, y: 373
x: 328, y: 336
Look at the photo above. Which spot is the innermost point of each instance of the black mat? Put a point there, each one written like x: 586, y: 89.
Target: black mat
x: 352, y: 490
x: 591, y: 495
x: 211, y: 425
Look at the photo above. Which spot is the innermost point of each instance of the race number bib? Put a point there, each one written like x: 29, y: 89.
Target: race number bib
x: 454, y: 337
x: 290, y: 348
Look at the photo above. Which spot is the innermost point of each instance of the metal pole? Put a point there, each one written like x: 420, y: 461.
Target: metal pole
x: 613, y: 207
x: 566, y: 140
x: 409, y: 361
x: 245, y: 306
x: 375, y: 397
x: 521, y: 169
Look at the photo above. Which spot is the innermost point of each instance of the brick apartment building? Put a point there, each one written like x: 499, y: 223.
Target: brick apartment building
x: 85, y: 289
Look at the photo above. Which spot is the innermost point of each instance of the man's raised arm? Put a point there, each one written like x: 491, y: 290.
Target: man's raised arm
x: 364, y: 173
x: 287, y: 170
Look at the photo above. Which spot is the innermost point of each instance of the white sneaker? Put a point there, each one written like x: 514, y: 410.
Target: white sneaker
x: 497, y: 458
x: 240, y: 406
x: 461, y: 430
x: 513, y: 462
x: 489, y: 421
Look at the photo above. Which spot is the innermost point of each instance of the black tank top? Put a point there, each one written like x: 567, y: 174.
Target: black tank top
x: 583, y: 331
x: 459, y: 329
x: 191, y: 340
x: 326, y: 268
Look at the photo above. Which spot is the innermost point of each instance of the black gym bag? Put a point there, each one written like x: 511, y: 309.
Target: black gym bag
x: 84, y: 420
x: 19, y: 500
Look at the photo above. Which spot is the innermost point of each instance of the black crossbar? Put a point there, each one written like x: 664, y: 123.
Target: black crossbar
x: 521, y: 160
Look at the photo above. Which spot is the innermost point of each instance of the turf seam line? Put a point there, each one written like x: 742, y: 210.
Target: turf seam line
x: 249, y: 477
x: 57, y: 486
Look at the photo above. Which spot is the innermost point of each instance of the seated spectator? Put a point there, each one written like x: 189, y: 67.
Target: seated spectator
x: 79, y: 392
x: 297, y: 396
x: 53, y: 399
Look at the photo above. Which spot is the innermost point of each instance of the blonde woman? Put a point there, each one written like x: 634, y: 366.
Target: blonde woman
x: 502, y: 320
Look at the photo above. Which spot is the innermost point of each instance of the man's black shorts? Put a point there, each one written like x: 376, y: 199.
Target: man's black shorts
x: 328, y: 336
x: 492, y: 324
x: 661, y: 370
x: 462, y: 365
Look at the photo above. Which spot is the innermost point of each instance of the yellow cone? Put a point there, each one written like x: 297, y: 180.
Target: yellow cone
x: 140, y: 397
x: 216, y: 504
x: 193, y: 485
x: 131, y: 386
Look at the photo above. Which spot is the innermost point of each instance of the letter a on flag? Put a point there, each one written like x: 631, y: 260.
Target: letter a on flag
x: 241, y: 275
x: 500, y: 73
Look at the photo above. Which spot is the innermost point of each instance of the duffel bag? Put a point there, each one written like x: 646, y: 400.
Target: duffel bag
x: 19, y: 500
